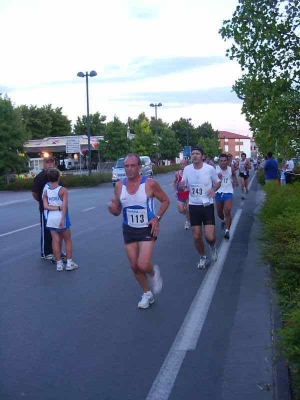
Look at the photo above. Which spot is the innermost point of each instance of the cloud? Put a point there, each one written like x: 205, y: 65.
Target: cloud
x: 208, y: 96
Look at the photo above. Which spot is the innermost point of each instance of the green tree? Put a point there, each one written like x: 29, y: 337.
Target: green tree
x: 61, y: 125
x: 37, y: 121
x: 13, y: 135
x: 97, y: 124
x: 207, y: 138
x: 169, y: 145
x: 115, y: 143
x: 144, y: 142
x: 267, y: 47
x: 41, y: 122
x: 185, y: 132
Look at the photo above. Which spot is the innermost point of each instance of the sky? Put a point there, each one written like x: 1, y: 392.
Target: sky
x: 144, y: 51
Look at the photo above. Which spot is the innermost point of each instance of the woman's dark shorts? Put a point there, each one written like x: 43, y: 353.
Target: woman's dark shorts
x: 202, y: 215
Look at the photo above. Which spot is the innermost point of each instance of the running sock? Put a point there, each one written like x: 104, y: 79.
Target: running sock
x: 69, y: 261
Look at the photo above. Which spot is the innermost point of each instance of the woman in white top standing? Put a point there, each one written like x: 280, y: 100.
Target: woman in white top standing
x: 55, y: 201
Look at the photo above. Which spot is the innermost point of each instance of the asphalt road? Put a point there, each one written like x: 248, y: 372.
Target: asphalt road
x: 79, y: 335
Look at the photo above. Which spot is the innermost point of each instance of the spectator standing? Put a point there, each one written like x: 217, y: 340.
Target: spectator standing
x: 289, y: 166
x: 271, y: 168
x: 39, y: 183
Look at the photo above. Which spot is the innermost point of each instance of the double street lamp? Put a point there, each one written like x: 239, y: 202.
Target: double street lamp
x: 88, y: 122
x: 156, y: 124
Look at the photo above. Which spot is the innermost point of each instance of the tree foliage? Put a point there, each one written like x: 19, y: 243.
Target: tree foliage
x: 169, y: 146
x: 208, y: 139
x: 97, y: 125
x: 144, y: 142
x: 267, y: 47
x: 41, y: 122
x: 115, y: 143
x: 13, y: 135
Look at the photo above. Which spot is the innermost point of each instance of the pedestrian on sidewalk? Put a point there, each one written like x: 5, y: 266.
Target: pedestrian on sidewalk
x: 134, y: 195
x: 202, y: 182
x: 55, y: 202
x: 182, y: 195
x: 289, y: 166
x: 271, y: 168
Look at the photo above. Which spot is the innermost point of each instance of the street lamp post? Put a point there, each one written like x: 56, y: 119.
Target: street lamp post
x: 187, y: 130
x: 88, y: 122
x: 156, y: 125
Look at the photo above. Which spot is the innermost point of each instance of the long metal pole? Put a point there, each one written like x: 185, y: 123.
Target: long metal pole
x: 187, y: 132
x: 88, y: 122
x: 156, y: 132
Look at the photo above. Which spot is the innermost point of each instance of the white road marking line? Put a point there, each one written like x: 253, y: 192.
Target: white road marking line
x: 14, y: 202
x: 191, y: 327
x: 19, y: 230
x: 88, y: 209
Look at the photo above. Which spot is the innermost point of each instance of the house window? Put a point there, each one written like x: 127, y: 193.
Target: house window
x: 226, y: 147
x: 237, y: 148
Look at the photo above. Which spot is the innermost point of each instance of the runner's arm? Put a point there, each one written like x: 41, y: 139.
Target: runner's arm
x: 160, y: 195
x: 115, y: 206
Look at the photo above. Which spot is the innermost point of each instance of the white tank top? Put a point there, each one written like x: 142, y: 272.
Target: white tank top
x: 199, y: 181
x: 53, y: 196
x: 226, y: 184
x: 243, y: 167
x: 138, y: 209
x: 53, y: 217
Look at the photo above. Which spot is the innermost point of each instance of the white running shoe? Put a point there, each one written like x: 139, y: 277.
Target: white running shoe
x: 202, y: 263
x: 187, y: 225
x: 214, y: 253
x: 156, y: 280
x: 59, y: 266
x: 147, y: 299
x: 71, y: 267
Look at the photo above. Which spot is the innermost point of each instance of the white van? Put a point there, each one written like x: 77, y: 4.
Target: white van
x: 118, y: 171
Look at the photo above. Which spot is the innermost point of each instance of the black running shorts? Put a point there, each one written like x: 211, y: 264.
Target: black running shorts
x: 202, y: 215
x: 132, y: 235
x: 244, y: 175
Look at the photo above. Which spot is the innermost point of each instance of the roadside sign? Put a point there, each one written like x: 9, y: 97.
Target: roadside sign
x: 73, y: 145
x: 187, y: 151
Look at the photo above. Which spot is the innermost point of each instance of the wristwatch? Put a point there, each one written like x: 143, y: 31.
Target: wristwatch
x: 158, y: 217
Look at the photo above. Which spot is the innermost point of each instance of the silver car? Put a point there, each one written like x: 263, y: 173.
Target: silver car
x: 118, y: 171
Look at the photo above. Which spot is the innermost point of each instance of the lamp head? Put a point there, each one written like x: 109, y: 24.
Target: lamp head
x: 151, y: 105
x: 92, y: 73
x: 159, y: 105
x: 81, y: 75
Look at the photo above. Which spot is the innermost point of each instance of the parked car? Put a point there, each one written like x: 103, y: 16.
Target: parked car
x: 118, y: 171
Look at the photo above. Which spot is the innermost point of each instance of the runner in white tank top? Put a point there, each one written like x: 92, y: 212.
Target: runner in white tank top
x: 202, y: 181
x: 244, y: 167
x: 224, y: 193
x: 135, y: 195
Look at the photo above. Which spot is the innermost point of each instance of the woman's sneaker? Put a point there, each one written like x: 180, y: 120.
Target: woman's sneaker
x: 147, y: 299
x: 71, y: 266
